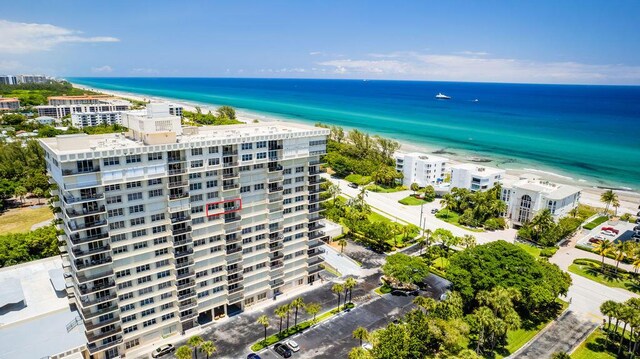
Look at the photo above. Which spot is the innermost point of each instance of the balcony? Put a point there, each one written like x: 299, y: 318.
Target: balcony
x: 315, y: 252
x: 236, y: 289
x: 316, y: 261
x: 316, y: 218
x: 189, y: 294
x: 232, y: 219
x: 172, y: 159
x: 187, y: 304
x: 275, y: 168
x: 182, y: 242
x: 234, y: 270
x: 274, y: 229
x: 276, y: 283
x: 313, y: 172
x: 188, y: 316
x: 315, y: 209
x: 88, y: 289
x: 233, y: 250
x: 276, y: 265
x: 315, y: 190
x: 315, y: 163
x: 276, y: 256
x: 234, y: 280
x: 184, y: 264
x: 177, y: 196
x: 95, y: 348
x: 233, y: 240
x: 178, y: 219
x: 275, y: 147
x: 89, y: 302
x: 316, y: 234
x: 74, y: 227
x: 185, y: 274
x: 315, y: 244
x: 87, y: 252
x: 315, y: 270
x: 230, y: 164
x: 234, y: 258
x: 275, y: 189
x: 179, y: 231
x: 93, y: 326
x: 177, y: 171
x: 178, y: 184
x: 88, y: 315
x: 80, y: 171
x: 229, y: 187
x: 91, y: 337
x: 278, y: 178
x: 85, y: 198
x: 275, y: 197
x: 233, y: 174
x: 83, y: 278
x: 183, y: 253
x: 277, y: 247
x: 229, y: 153
x: 189, y: 283
x: 235, y: 298
x: 276, y: 273
x: 315, y: 226
x: 275, y: 237
x: 72, y: 213
x: 80, y: 265
x: 316, y: 181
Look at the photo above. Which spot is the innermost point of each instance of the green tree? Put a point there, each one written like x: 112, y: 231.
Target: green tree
x: 281, y: 312
x: 337, y: 289
x: 415, y: 188
x: 184, y: 352
x: 359, y: 353
x: 297, y: 304
x: 468, y: 241
x: 39, y: 193
x: 313, y: 309
x: 603, y: 248
x: 361, y: 334
x: 608, y: 309
x: 195, y: 342
x: 20, y: 192
x: 426, y: 303
x: 264, y: 321
x: 349, y: 284
x: 560, y: 355
x: 226, y: 112
x: 342, y: 243
x: 208, y: 348
x: 608, y: 197
x: 405, y: 269
x: 334, y: 191
x: 429, y: 193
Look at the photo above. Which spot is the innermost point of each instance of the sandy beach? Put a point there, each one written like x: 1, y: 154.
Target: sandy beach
x: 629, y: 200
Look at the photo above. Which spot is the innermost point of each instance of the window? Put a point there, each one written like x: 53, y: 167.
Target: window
x: 136, y: 209
x: 114, y: 199
x: 155, y: 156
x: 261, y: 144
x: 144, y: 279
x: 134, y: 184
x: 196, y: 152
x: 118, y: 237
x: 118, y: 250
x: 197, y: 164
x: 161, y: 252
x: 245, y: 189
x: 157, y: 217
x: 155, y: 181
x: 247, y: 146
x: 247, y: 157
x: 156, y: 193
x: 143, y: 268
x: 261, y: 155
x: 115, y: 212
x: 299, y: 169
x: 130, y: 329
x: 213, y: 161
x: 127, y: 307
x: 134, y: 196
x: 132, y: 343
x: 164, y: 274
x: 258, y: 187
x: 149, y: 323
x: 196, y: 198
x: 139, y: 233
x: 133, y: 159
x: 159, y: 229
x: 111, y: 161
x: 136, y: 221
x: 213, y: 149
x: 144, y: 291
x: 112, y: 187
x: 116, y: 225
x: 287, y: 171
x: 144, y: 302
x: 123, y: 273
x: 195, y: 186
x: 159, y: 241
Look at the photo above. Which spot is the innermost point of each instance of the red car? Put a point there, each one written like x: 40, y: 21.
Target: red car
x: 594, y: 240
x: 610, y: 229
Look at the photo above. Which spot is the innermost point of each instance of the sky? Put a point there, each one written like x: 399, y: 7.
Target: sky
x: 540, y: 41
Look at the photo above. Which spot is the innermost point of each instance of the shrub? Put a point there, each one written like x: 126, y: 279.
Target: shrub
x: 493, y: 224
x: 596, y: 222
x: 548, y: 252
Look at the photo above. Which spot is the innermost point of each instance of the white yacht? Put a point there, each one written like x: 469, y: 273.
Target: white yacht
x: 441, y: 96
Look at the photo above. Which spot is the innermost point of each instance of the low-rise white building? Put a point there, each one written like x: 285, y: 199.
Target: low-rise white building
x: 421, y: 168
x: 60, y: 106
x: 9, y: 104
x: 85, y: 119
x: 475, y: 177
x: 528, y: 195
x: 44, y: 120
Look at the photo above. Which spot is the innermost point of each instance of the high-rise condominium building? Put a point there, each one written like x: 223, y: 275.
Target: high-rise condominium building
x: 166, y: 228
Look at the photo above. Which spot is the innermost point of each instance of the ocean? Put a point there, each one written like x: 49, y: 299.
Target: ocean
x: 588, y: 133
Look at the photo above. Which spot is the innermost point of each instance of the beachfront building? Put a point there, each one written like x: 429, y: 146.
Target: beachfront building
x: 9, y: 104
x: 85, y: 119
x: 31, y: 79
x: 475, y: 177
x: 421, y: 168
x: 528, y: 195
x: 167, y: 228
x: 61, y: 106
x: 8, y: 80
x: 175, y: 109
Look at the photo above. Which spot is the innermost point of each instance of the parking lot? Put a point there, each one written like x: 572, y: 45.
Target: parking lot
x: 624, y: 229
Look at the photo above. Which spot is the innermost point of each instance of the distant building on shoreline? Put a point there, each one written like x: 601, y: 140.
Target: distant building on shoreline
x: 421, y: 168
x: 529, y: 195
x: 9, y: 104
x: 61, y: 106
x: 475, y: 177
x: 22, y: 79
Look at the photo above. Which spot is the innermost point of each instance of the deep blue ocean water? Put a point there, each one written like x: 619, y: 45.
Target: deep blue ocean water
x: 585, y: 132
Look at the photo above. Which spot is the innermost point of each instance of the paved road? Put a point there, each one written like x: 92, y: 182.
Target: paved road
x: 341, y: 262
x: 388, y: 202
x: 563, y: 335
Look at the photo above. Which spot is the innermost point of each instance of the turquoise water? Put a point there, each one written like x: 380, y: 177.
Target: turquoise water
x: 585, y: 132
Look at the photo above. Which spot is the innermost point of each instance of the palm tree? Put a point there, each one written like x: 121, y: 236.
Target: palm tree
x: 625, y: 313
x: 615, y: 204
x: 574, y: 212
x: 468, y: 241
x: 281, y: 312
x: 342, y: 243
x: 485, y: 319
x: 20, y: 192
x: 603, y: 248
x: 415, y: 187
x: 608, y: 309
x: 337, y: 288
x: 289, y: 307
x: 297, y: 304
x: 427, y: 240
x: 209, y: 348
x: 620, y: 252
x: 349, y: 284
x: 313, y: 309
x: 361, y: 334
x: 636, y: 265
x: 608, y: 197
x: 334, y: 191
x: 264, y: 321
x: 195, y: 342
x: 359, y: 353
x: 426, y: 303
x: 38, y: 192
x: 184, y: 352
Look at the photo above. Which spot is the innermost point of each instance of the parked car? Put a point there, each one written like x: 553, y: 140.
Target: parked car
x: 353, y: 185
x: 434, y: 211
x: 282, y: 350
x: 292, y: 345
x: 608, y: 233
x: 163, y: 350
x: 594, y: 240
x: 253, y: 356
x: 367, y: 346
x: 400, y: 293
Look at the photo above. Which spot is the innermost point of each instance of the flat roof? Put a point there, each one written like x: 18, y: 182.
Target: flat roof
x: 80, y: 97
x: 478, y: 169
x: 11, y: 291
x: 551, y: 190
x: 114, y: 141
x: 8, y: 99
x: 424, y: 156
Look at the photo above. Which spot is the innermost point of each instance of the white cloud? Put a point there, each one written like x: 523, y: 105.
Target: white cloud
x: 22, y: 38
x: 144, y: 71
x: 477, y: 66
x: 102, y: 69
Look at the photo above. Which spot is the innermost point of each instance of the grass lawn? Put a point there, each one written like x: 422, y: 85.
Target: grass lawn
x: 20, y: 220
x: 376, y: 217
x: 441, y: 263
x: 383, y: 289
x: 452, y: 218
x: 358, y: 179
x: 593, y: 347
x: 592, y: 271
x: 533, y: 250
x: 596, y: 222
x: 384, y: 189
x: 412, y: 201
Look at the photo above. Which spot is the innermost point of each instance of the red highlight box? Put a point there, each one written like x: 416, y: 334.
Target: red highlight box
x: 237, y: 208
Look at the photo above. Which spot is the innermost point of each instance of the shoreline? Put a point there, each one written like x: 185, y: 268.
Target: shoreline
x: 629, y: 199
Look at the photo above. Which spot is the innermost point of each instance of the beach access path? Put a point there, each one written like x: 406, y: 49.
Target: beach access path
x: 387, y: 205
